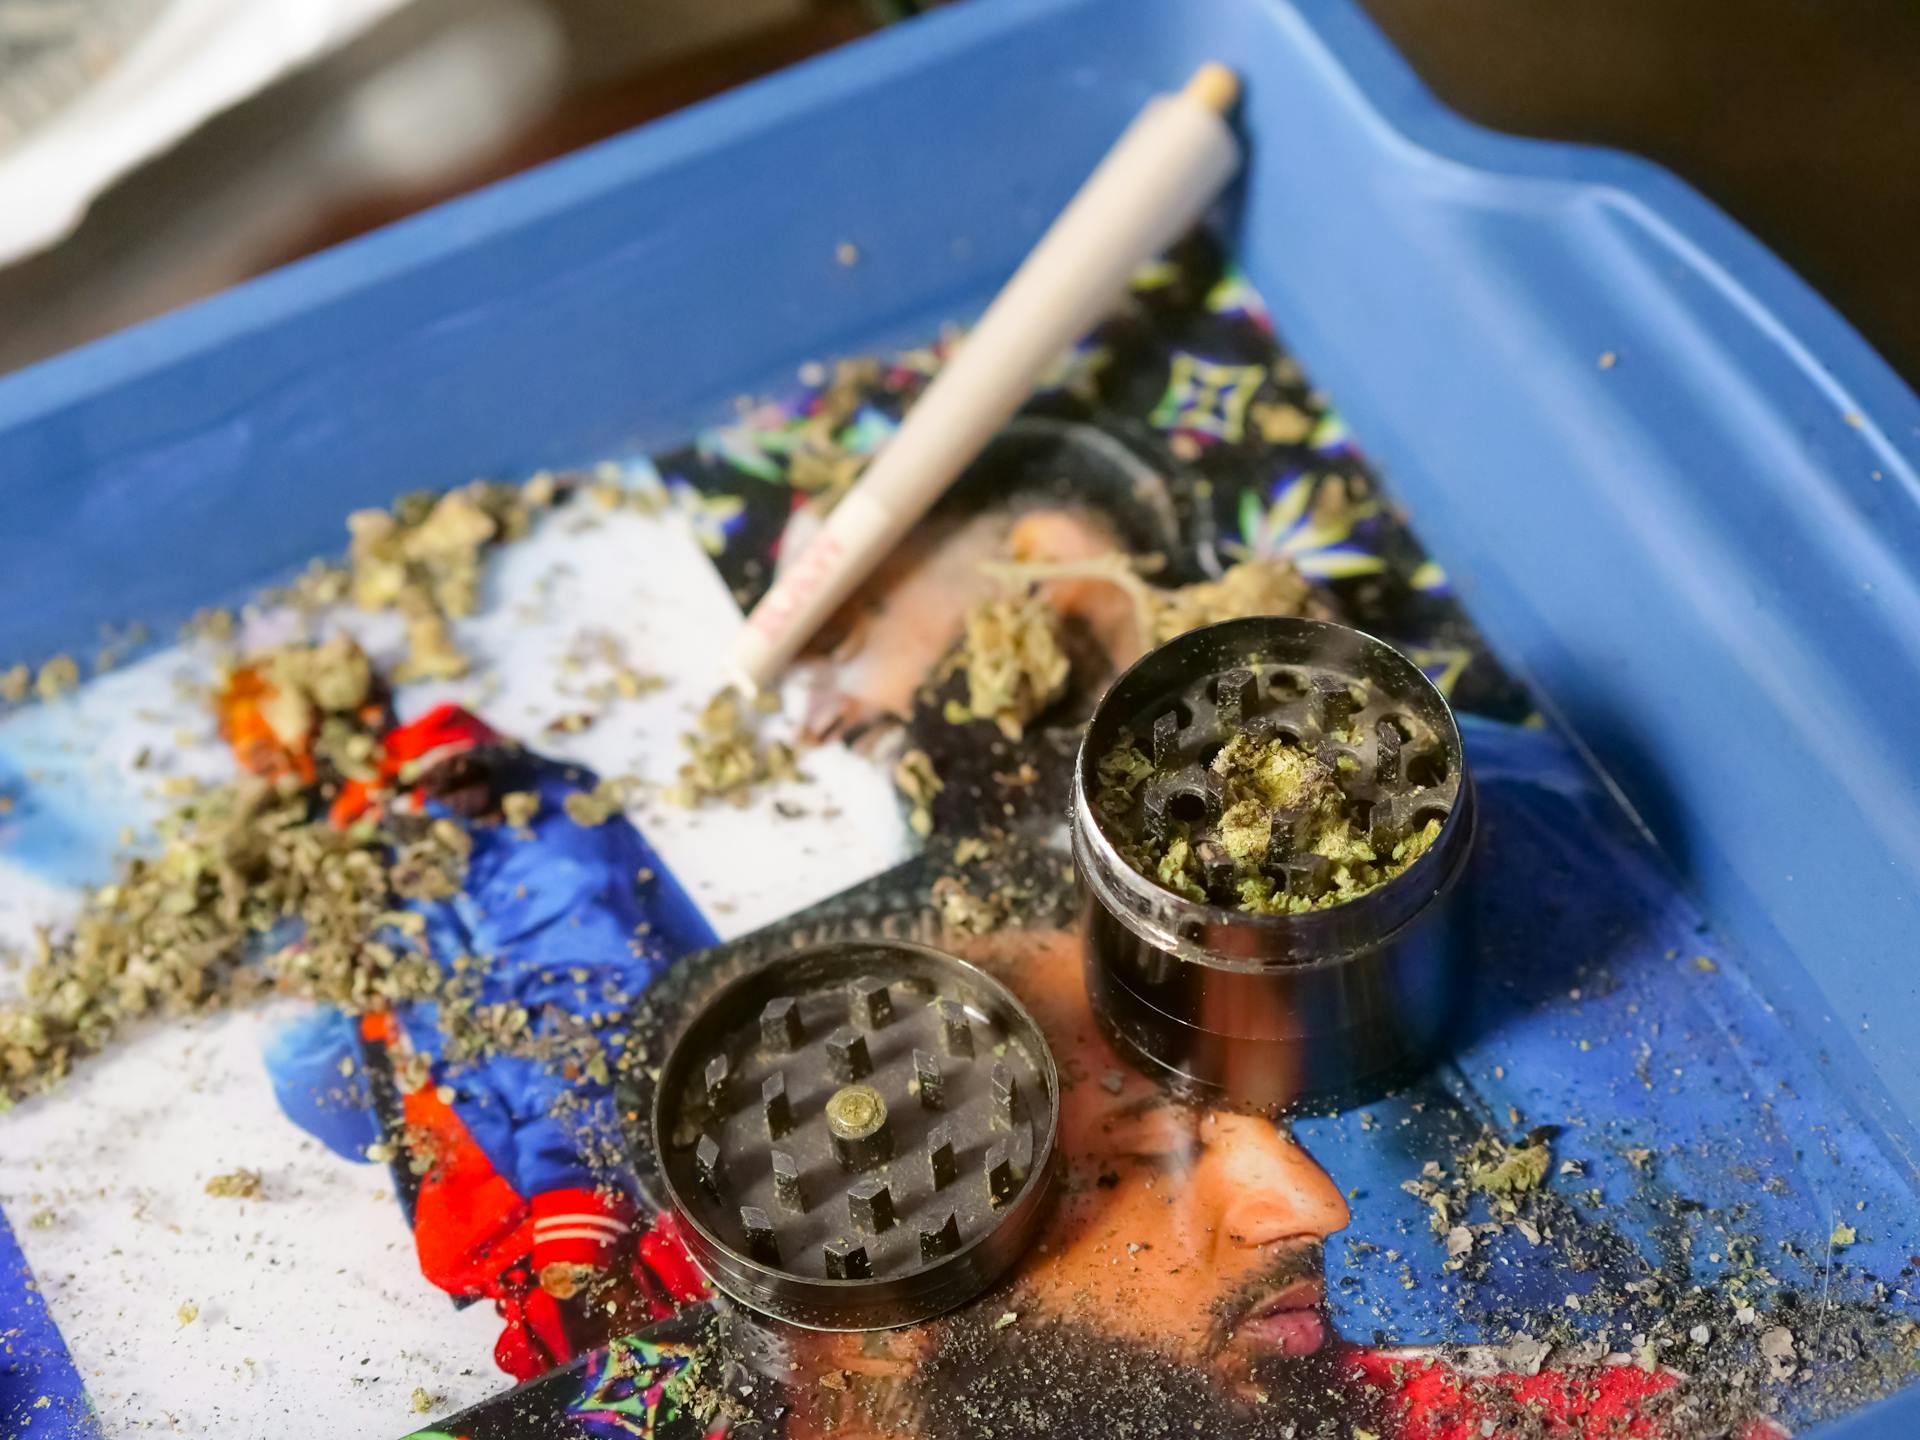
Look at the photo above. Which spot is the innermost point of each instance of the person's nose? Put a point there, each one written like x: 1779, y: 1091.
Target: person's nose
x: 1270, y: 1187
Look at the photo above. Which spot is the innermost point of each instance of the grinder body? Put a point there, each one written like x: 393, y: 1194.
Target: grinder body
x: 1264, y: 1011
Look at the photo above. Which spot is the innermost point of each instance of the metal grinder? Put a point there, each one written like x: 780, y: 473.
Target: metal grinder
x: 1318, y: 996
x: 860, y: 1135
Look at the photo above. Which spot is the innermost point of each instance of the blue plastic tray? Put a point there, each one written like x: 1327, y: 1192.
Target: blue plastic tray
x: 1702, y: 557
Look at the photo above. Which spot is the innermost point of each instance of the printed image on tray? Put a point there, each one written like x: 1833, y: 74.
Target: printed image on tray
x: 461, y: 822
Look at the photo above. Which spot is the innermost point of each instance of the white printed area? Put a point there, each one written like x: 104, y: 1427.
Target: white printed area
x: 312, y: 1316
x: 309, y: 1315
x: 649, y: 585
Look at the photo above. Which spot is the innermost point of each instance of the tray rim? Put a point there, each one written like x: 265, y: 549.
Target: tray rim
x: 1832, y: 357
x: 1381, y: 80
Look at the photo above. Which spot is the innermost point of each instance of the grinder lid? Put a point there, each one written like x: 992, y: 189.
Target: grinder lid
x: 859, y: 1135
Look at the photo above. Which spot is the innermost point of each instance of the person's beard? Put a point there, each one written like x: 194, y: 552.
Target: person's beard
x: 1045, y: 1377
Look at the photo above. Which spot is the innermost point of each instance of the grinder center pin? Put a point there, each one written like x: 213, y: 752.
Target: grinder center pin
x: 857, y: 1136
x: 856, y: 1112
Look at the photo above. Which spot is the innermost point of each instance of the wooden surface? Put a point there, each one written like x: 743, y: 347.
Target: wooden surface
x: 1800, y: 118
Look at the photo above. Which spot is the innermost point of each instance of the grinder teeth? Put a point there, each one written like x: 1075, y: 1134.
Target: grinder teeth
x: 786, y: 1183
x: 718, y: 1071
x: 928, y: 1080
x: 940, y: 1156
x: 870, y: 1206
x: 1285, y: 837
x: 780, y: 1027
x: 1217, y: 866
x: 880, y: 1099
x: 999, y: 1168
x: 847, y: 1054
x: 706, y: 1159
x: 1388, y: 822
x: 942, y: 1239
x: 775, y: 1108
x: 847, y: 1261
x: 956, y: 1031
x: 1389, y: 763
x: 1166, y: 738
x: 1331, y: 700
x: 762, y: 1244
x: 872, y: 1005
x: 1233, y: 694
x: 1191, y: 793
x: 1309, y: 876
x: 1386, y: 749
x: 1006, y: 1096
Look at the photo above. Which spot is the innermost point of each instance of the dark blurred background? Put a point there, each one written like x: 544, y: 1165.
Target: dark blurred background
x: 1800, y: 118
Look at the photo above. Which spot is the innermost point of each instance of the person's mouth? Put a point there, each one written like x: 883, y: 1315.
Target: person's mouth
x: 1286, y: 1321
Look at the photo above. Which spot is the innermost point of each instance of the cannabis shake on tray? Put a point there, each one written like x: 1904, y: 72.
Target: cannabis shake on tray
x: 1268, y: 814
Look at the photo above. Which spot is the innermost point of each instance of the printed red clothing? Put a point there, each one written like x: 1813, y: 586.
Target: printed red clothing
x: 571, y: 919
x: 410, y: 750
x: 577, y: 1227
x: 1430, y: 1400
x: 477, y: 1236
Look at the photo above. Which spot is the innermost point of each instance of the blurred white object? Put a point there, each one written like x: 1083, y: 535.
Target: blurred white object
x: 466, y: 87
x: 52, y: 50
x: 193, y: 59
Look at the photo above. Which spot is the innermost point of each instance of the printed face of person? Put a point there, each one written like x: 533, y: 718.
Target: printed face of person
x: 1195, y: 1232
x: 907, y: 616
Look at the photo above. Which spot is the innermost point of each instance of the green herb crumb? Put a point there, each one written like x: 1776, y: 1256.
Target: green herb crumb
x: 242, y: 1184
x: 916, y: 779
x: 1013, y: 661
x: 1515, y: 1170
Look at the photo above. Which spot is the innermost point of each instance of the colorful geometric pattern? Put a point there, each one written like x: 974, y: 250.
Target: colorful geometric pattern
x: 1205, y: 399
x: 626, y: 1388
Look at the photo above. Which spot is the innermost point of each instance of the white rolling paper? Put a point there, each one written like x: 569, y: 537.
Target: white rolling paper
x: 1165, y: 169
